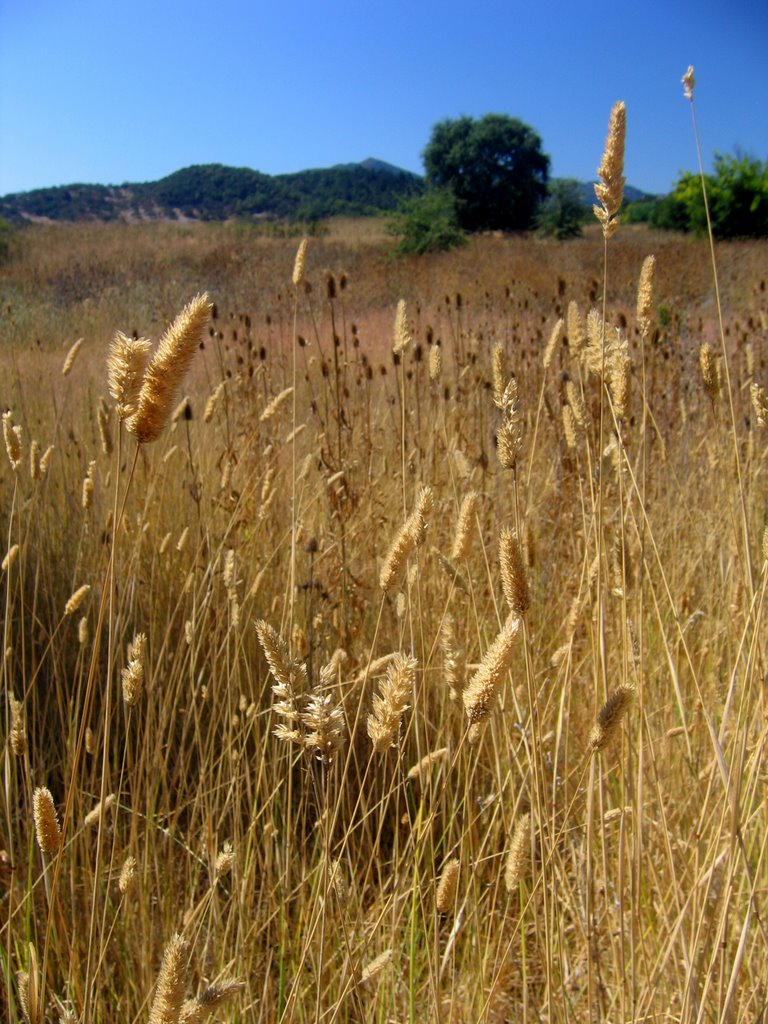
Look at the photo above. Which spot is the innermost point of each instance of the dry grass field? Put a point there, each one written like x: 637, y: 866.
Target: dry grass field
x: 416, y: 671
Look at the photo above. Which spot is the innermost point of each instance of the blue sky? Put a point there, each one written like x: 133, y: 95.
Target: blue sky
x: 96, y: 91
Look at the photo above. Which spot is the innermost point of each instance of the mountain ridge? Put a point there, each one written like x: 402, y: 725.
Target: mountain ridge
x: 220, y: 192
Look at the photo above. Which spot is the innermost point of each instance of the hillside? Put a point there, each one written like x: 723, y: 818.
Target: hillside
x: 216, y: 192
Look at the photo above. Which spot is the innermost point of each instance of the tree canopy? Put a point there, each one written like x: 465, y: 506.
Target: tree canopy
x: 495, y: 168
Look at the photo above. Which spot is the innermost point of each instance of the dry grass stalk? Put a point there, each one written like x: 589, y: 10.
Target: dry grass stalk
x: 171, y: 983
x: 509, y: 436
x: 709, y: 372
x: 299, y: 265
x: 275, y: 404
x: 645, y: 295
x: 402, y: 330
x: 76, y: 600
x: 105, y: 431
x: 569, y: 427
x: 88, y: 486
x: 498, y: 374
x: 376, y: 966
x: 46, y: 821
x: 453, y: 658
x: 99, y: 811
x: 17, y: 735
x: 422, y: 767
x: 554, y: 340
x: 225, y: 859
x: 71, y: 356
x: 323, y: 721
x: 610, y: 716
x: 464, y: 526
x: 213, y: 401
x: 410, y: 535
x: 166, y: 370
x: 200, y: 1009
x: 484, y: 684
x: 759, y: 403
x: 10, y: 557
x: 447, y: 886
x: 513, y: 575
x: 435, y: 363
x: 30, y: 995
x: 519, y: 851
x: 610, y: 189
x: 576, y: 333
x: 576, y: 404
x: 129, y: 877
x: 126, y: 366
x: 12, y: 435
x: 392, y: 700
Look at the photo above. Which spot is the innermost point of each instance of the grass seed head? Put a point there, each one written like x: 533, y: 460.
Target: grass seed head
x: 610, y: 716
x: 171, y: 983
x: 46, y: 821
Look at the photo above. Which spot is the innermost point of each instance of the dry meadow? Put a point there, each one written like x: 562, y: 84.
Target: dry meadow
x: 414, y: 669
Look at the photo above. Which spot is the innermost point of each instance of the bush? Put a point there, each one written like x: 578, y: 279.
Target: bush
x: 561, y: 215
x: 427, y: 223
x: 738, y: 201
x: 7, y: 239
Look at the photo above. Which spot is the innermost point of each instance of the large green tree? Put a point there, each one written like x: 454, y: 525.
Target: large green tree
x: 495, y: 168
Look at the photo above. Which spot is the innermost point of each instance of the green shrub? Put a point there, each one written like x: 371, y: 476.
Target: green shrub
x: 561, y: 215
x: 427, y: 223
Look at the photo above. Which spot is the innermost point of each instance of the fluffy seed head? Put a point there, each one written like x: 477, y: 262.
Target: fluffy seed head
x: 99, y: 811
x: 323, y: 721
x: 224, y: 860
x: 402, y: 333
x: 126, y: 365
x: 200, y: 1009
x: 10, y: 558
x: 645, y: 294
x: 519, y: 849
x: 17, y: 736
x: 689, y: 83
x: 76, y: 599
x: 375, y: 967
x: 759, y: 403
x: 46, y: 821
x: 128, y: 876
x: 485, y: 682
x: 213, y: 401
x: 166, y: 371
x: 71, y: 357
x: 171, y: 983
x: 300, y: 262
x: 435, y: 362
x: 610, y: 189
x: 513, y: 575
x: 610, y: 716
x: 12, y: 435
x: 446, y: 888
x: 554, y: 341
x: 464, y: 526
x: 576, y: 336
x: 391, y: 701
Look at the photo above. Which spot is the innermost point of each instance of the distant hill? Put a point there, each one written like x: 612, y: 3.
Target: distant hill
x: 216, y: 192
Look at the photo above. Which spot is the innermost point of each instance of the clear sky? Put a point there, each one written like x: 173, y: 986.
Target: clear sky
x: 108, y: 92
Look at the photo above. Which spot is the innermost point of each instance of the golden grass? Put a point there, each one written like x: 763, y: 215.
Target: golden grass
x: 351, y: 502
